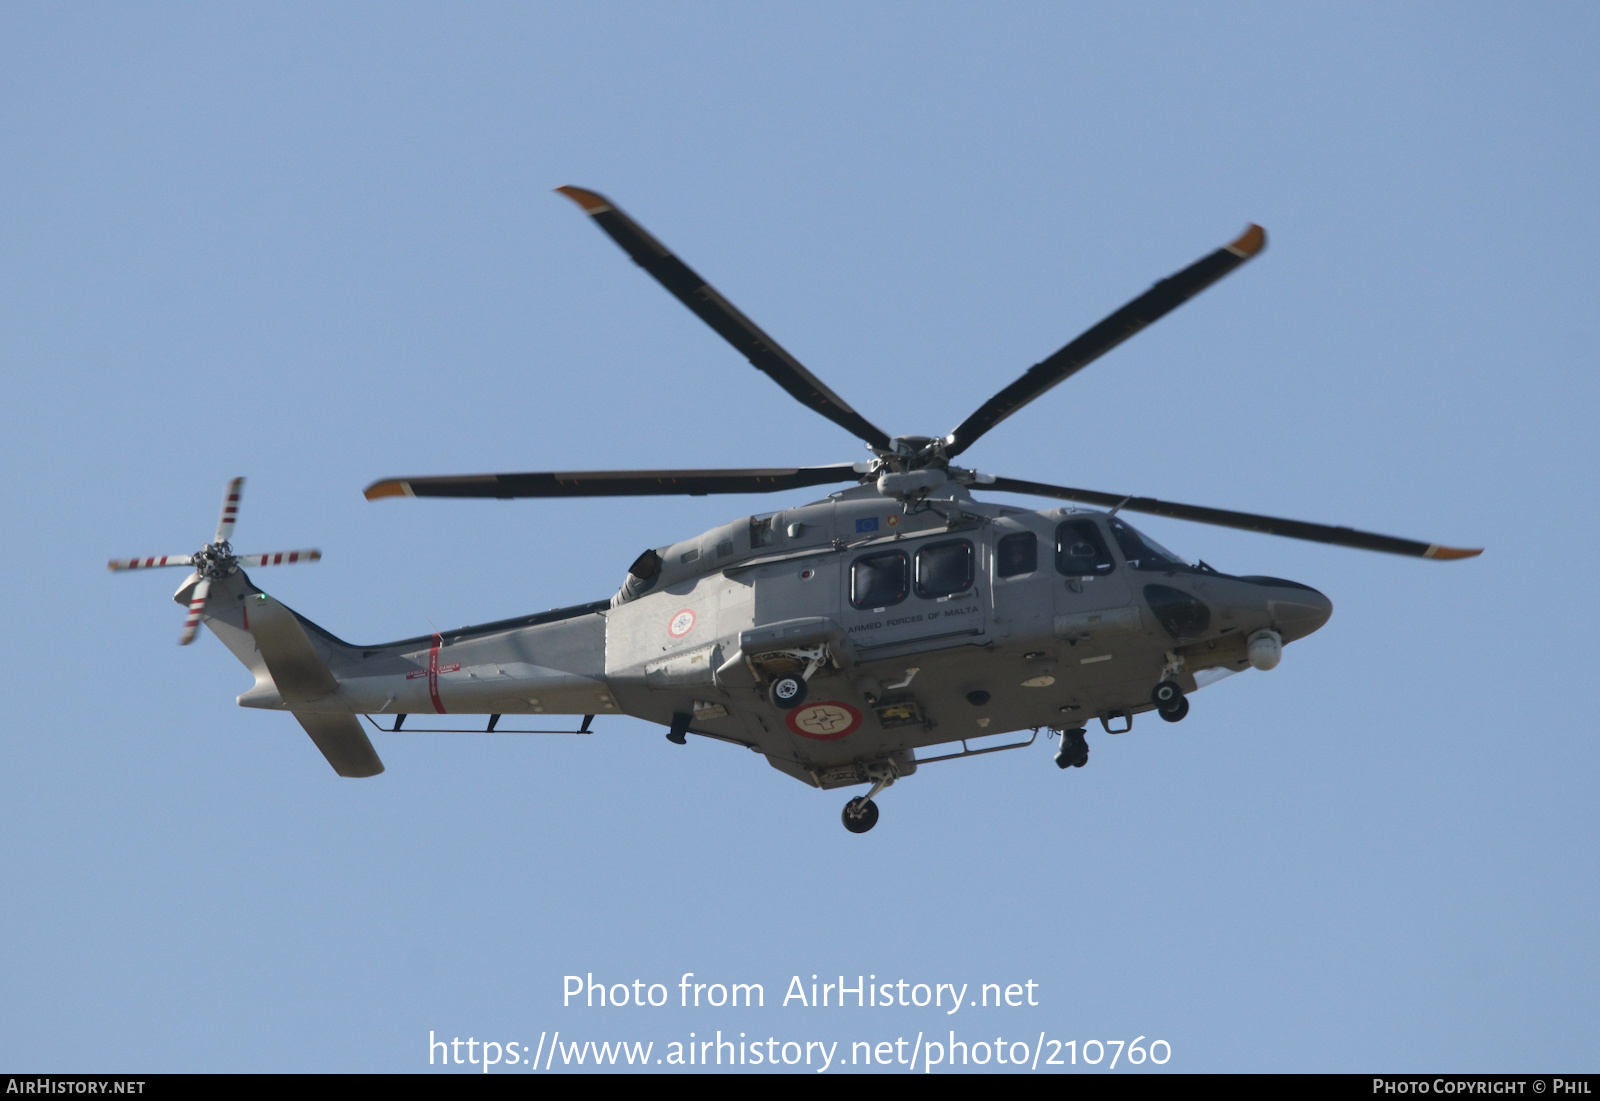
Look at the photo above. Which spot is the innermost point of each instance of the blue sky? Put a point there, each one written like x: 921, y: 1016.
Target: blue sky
x: 317, y: 246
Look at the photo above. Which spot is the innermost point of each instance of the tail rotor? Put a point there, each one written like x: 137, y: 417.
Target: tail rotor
x: 214, y: 561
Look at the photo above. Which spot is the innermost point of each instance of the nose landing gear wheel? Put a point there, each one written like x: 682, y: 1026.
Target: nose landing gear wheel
x: 1169, y: 700
x: 787, y: 692
x: 860, y: 815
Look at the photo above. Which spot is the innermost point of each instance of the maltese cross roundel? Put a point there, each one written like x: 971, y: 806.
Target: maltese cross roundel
x: 826, y: 722
x: 681, y: 624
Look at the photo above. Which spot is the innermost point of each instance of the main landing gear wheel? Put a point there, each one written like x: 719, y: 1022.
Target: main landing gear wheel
x: 787, y: 692
x: 860, y: 815
x: 1074, y: 751
x: 1170, y: 702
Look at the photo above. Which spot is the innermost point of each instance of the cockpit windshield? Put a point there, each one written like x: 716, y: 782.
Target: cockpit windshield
x: 1143, y: 552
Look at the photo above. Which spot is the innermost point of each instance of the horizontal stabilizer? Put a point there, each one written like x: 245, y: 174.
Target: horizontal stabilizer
x: 343, y: 743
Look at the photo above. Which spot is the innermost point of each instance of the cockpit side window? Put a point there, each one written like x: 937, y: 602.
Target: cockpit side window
x: 944, y: 568
x: 1015, y: 554
x: 1080, y: 551
x: 1142, y: 552
x: 878, y: 580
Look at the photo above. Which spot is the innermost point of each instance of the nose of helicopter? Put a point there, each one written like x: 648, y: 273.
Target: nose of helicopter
x: 1296, y: 609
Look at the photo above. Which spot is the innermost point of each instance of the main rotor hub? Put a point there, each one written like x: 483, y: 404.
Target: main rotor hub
x: 908, y: 453
x: 911, y: 485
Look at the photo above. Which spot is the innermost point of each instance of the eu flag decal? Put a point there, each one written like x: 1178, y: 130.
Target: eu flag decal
x: 868, y: 524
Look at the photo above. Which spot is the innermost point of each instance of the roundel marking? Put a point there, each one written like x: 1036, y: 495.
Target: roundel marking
x: 826, y: 722
x: 681, y: 624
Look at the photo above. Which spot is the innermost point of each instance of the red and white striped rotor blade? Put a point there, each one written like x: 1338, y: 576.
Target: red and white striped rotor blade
x: 197, y: 604
x: 284, y: 558
x: 230, y: 511
x: 184, y: 560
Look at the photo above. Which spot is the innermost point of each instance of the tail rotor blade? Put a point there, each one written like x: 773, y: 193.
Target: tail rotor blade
x: 282, y: 558
x: 184, y: 560
x: 230, y: 510
x: 197, y: 605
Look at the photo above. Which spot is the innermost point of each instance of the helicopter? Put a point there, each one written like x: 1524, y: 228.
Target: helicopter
x: 849, y: 640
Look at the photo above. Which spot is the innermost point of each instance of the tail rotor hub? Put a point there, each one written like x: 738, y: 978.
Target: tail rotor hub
x: 216, y: 560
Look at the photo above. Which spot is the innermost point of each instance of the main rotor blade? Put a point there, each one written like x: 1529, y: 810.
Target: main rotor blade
x: 197, y: 604
x: 230, y: 510
x: 1247, y: 521
x: 1159, y: 300
x: 764, y: 353
x: 615, y: 483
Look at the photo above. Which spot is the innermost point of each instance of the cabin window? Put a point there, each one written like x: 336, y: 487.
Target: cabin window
x: 878, y: 580
x: 1017, y: 553
x: 1142, y: 552
x: 1080, y: 551
x: 944, y: 568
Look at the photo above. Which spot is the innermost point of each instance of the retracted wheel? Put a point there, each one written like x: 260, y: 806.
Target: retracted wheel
x: 860, y: 815
x: 1174, y: 712
x: 787, y: 692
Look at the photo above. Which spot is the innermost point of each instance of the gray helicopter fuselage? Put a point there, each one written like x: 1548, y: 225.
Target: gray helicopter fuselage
x: 841, y: 638
x: 917, y: 625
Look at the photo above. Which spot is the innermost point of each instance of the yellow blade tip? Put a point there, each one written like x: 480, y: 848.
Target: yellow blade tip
x: 591, y: 202
x: 393, y: 487
x: 1448, y: 553
x: 1250, y: 242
